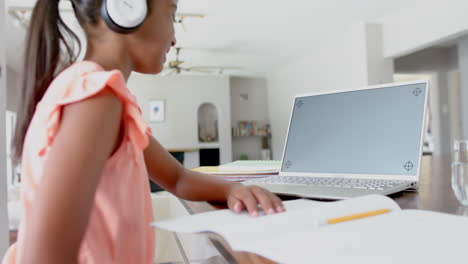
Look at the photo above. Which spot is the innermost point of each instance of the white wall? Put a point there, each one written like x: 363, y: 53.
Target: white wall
x: 256, y: 107
x: 183, y: 95
x: 12, y: 89
x: 4, y: 237
x: 379, y: 68
x: 452, y: 63
x: 463, y: 63
x: 454, y: 94
x: 455, y: 104
x: 349, y: 59
x: 424, y: 24
x: 428, y: 60
x: 253, y: 109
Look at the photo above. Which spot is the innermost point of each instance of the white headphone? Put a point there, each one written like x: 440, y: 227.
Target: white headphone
x: 124, y: 16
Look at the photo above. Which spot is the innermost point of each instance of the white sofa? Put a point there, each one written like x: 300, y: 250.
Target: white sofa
x: 179, y: 248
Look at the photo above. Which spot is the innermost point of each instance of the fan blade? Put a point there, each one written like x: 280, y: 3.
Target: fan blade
x: 184, y: 15
x: 217, y: 67
x: 175, y: 64
x: 198, y: 70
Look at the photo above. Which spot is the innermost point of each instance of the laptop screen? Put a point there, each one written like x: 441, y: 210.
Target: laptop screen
x: 373, y: 131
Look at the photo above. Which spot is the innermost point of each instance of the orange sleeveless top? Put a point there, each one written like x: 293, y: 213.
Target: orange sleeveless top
x: 119, y: 227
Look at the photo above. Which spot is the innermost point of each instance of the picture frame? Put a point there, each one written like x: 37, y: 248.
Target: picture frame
x: 157, y: 111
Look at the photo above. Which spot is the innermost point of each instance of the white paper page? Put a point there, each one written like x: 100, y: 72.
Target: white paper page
x: 206, y: 221
x: 241, y: 230
x: 410, y: 236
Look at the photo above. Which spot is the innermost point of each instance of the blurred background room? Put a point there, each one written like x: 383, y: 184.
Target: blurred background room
x: 227, y: 88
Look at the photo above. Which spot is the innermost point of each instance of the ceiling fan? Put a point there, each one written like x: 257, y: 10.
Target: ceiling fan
x: 180, y: 17
x: 174, y: 67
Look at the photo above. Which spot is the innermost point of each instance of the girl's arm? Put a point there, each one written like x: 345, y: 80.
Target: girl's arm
x: 88, y: 133
x: 172, y: 176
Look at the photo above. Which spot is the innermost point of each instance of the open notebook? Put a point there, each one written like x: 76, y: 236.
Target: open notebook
x: 305, y: 234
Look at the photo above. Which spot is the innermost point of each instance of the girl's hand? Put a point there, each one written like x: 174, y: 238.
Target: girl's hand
x: 242, y: 197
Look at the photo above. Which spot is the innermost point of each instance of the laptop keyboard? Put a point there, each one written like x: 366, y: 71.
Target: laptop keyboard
x: 370, y: 184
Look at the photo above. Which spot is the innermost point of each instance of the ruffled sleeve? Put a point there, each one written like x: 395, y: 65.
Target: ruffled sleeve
x: 86, y: 86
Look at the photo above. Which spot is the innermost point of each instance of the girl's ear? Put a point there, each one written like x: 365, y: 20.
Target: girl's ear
x: 124, y: 16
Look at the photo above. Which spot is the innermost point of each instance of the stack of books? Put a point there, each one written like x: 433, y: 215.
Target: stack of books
x: 242, y: 170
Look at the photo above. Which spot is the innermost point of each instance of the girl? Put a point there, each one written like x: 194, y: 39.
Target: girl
x: 85, y: 151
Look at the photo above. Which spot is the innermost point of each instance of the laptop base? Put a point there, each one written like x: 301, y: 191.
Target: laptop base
x: 325, y: 192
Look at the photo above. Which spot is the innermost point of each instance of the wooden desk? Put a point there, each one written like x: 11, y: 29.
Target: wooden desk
x: 434, y: 194
x: 435, y: 191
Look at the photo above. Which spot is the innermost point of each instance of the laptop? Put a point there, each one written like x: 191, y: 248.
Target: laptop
x: 344, y: 144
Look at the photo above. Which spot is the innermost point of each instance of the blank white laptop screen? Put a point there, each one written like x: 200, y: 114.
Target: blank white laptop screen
x: 373, y: 131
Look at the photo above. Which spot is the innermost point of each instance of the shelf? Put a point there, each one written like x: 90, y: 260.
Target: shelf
x: 209, y: 145
x: 184, y: 150
x: 246, y: 136
x: 249, y: 136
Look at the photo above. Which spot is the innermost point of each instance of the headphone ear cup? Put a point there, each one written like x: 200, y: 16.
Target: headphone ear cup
x: 124, y: 16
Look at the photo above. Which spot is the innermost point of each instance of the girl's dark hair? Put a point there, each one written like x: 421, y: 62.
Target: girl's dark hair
x: 50, y: 47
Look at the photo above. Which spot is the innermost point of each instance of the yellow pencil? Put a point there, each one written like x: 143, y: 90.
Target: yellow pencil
x: 356, y: 216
